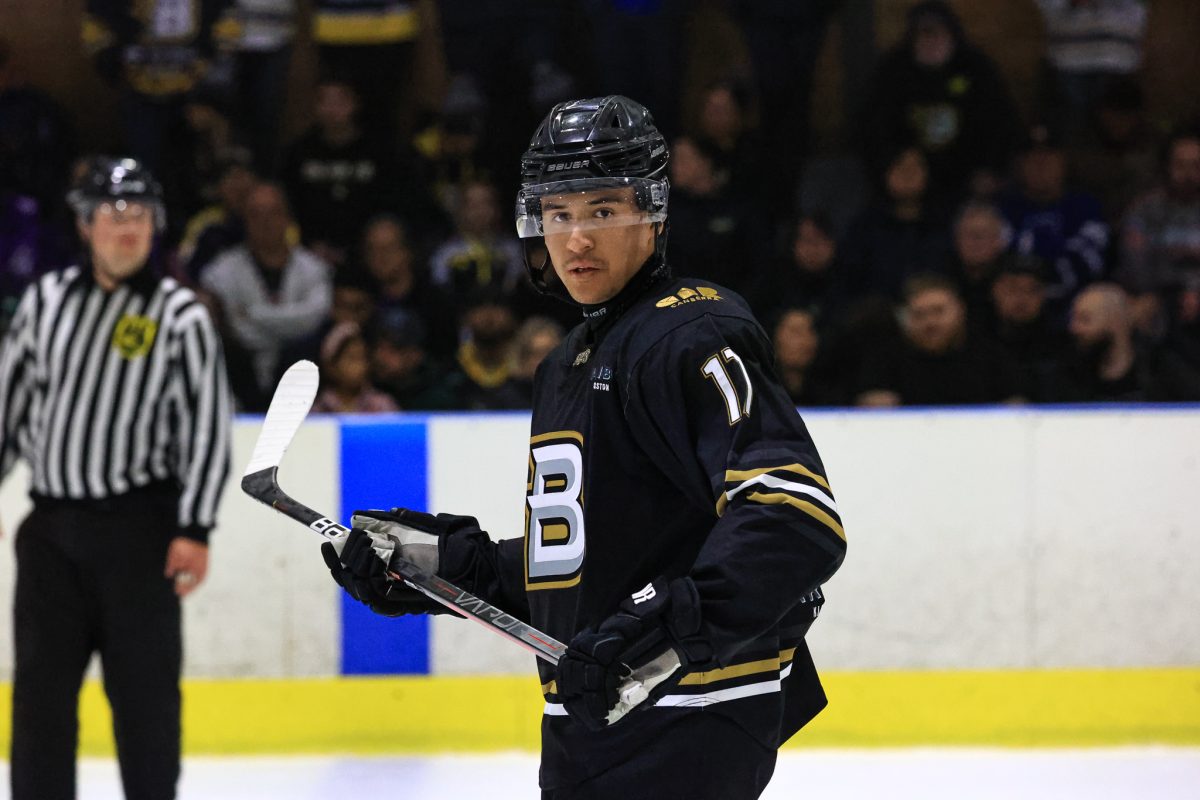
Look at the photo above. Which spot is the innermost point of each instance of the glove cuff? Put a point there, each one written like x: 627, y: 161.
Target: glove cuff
x: 676, y: 604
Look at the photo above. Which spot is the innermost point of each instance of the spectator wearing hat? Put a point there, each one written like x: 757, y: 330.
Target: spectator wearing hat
x: 939, y: 91
x: 1021, y: 326
x: 402, y: 366
x: 1053, y: 221
x: 939, y: 361
x: 1160, y: 241
x: 345, y: 373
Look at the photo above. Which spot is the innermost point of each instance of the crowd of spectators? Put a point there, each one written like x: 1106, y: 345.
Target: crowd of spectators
x: 960, y: 252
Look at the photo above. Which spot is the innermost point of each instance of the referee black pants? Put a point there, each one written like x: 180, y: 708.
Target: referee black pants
x: 90, y: 579
x: 698, y: 756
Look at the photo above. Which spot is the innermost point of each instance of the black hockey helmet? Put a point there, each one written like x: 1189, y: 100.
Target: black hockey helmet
x: 117, y: 181
x: 590, y: 145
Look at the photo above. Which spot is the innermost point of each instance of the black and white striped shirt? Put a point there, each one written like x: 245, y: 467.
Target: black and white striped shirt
x: 107, y: 392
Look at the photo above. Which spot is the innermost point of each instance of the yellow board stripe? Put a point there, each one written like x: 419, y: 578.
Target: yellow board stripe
x: 1043, y: 708
x: 813, y: 510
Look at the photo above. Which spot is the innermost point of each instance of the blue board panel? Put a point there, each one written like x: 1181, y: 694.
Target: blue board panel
x: 383, y: 465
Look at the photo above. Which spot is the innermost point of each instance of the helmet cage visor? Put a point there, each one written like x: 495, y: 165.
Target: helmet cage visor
x: 557, y: 207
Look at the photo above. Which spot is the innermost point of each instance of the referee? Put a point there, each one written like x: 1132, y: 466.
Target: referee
x: 113, y: 389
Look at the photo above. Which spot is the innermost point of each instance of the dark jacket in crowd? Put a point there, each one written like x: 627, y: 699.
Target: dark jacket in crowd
x: 1035, y: 349
x: 961, y: 114
x: 880, y: 252
x: 335, y: 189
x: 715, y: 238
x: 977, y: 372
x: 1155, y: 376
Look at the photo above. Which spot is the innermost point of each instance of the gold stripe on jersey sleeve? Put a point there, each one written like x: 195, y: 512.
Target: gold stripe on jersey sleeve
x: 738, y: 476
x: 813, y: 510
x: 743, y: 475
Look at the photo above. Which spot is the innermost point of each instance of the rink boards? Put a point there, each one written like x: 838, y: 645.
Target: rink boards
x: 1014, y: 576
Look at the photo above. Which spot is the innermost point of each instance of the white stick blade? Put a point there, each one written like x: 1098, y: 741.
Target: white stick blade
x: 289, y: 406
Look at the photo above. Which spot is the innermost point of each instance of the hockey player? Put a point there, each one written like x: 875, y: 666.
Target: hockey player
x: 679, y: 522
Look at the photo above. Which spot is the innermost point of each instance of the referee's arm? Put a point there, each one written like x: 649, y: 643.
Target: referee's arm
x: 204, y: 424
x: 16, y: 378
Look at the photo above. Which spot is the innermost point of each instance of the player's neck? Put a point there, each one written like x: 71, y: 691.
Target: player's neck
x: 598, y: 315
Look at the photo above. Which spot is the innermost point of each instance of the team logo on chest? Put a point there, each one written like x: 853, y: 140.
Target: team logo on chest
x: 554, y: 523
x: 601, y: 377
x: 134, y: 336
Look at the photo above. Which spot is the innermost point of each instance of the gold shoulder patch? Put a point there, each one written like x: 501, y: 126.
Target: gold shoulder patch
x: 133, y: 336
x: 687, y: 295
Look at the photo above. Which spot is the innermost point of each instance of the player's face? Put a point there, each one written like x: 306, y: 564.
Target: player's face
x: 593, y: 245
x: 120, y: 235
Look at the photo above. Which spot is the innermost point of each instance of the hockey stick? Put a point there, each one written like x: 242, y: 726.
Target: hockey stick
x: 293, y: 398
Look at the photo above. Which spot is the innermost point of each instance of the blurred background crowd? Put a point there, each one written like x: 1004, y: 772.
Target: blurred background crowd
x: 917, y: 217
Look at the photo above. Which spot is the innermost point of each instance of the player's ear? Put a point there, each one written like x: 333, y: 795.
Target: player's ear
x: 84, y: 228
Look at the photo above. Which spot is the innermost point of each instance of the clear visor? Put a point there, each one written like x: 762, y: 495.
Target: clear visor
x: 559, y: 207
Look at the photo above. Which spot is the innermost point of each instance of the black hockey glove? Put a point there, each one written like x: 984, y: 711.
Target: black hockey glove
x: 417, y: 537
x: 635, y: 656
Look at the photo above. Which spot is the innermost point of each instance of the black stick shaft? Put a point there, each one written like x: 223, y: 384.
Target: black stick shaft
x: 264, y: 487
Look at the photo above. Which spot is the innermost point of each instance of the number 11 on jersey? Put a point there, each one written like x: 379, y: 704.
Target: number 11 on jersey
x: 716, y: 369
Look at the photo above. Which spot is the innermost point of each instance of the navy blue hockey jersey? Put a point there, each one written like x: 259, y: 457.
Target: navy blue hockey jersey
x: 662, y: 445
